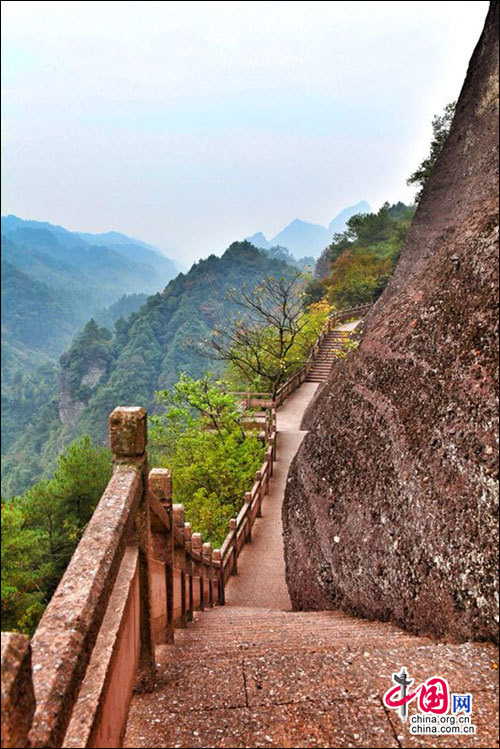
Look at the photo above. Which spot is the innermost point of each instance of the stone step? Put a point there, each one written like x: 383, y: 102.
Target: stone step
x: 252, y: 677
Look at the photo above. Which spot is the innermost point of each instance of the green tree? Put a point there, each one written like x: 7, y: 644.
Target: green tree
x: 314, y: 292
x: 440, y: 128
x: 22, y: 571
x: 264, y: 341
x: 360, y: 261
x: 202, y: 439
x: 41, y: 529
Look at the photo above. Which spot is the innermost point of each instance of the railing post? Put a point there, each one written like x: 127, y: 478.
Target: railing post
x: 272, y: 445
x: 269, y: 458
x: 128, y: 440
x: 233, y: 529
x: 248, y: 535
x: 217, y: 559
x: 207, y: 564
x: 160, y: 484
x: 180, y: 557
x: 189, y: 569
x: 18, y: 698
x: 258, y: 478
x: 197, y: 546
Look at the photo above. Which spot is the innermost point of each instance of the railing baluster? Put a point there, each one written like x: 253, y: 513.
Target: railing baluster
x: 189, y: 570
x: 180, y: 559
x: 258, y: 480
x: 248, y: 534
x: 207, y: 563
x: 217, y: 560
x: 160, y: 484
x: 233, y: 528
x: 197, y: 544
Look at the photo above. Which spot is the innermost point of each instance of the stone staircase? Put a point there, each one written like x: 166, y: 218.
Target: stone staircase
x: 332, y: 344
x: 253, y: 673
x: 254, y: 677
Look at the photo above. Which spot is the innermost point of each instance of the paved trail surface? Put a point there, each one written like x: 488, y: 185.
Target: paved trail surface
x: 255, y: 674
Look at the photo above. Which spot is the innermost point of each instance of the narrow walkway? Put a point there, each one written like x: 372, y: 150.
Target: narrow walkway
x: 260, y: 582
x: 255, y: 674
x: 261, y: 567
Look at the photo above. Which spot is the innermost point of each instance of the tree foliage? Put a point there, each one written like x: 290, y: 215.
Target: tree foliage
x: 440, y: 129
x: 41, y: 529
x: 268, y: 336
x: 357, y: 265
x: 201, y: 438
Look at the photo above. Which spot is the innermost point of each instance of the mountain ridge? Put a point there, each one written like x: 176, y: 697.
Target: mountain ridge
x: 303, y: 238
x: 147, y: 353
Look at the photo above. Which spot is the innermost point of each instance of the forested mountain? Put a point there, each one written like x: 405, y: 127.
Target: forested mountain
x: 53, y: 281
x: 304, y: 239
x: 98, y: 272
x: 34, y: 315
x: 123, y: 307
x: 145, y: 352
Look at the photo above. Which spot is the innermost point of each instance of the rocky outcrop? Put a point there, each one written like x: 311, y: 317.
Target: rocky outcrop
x: 390, y: 508
x: 71, y: 407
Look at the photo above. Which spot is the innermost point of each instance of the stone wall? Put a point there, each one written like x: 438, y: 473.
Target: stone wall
x: 390, y: 508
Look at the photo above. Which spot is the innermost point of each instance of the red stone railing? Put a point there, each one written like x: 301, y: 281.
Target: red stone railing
x: 138, y: 573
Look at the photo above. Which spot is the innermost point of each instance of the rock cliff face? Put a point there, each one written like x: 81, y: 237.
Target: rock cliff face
x: 71, y: 408
x: 390, y: 509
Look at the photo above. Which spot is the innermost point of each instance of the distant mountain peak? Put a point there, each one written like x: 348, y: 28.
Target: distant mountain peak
x: 305, y: 239
x: 338, y: 224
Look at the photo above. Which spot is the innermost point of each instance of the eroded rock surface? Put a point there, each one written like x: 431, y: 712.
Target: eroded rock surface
x: 391, y: 502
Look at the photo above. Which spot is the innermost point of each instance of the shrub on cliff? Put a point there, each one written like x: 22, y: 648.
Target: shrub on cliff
x: 357, y: 265
x: 201, y: 439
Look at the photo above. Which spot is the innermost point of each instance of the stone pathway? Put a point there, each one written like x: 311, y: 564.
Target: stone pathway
x: 261, y: 566
x: 255, y: 674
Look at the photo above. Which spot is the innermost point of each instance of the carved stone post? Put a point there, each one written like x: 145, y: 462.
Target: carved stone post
x: 258, y: 477
x: 233, y: 525
x: 269, y: 460
x: 207, y: 564
x: 217, y: 559
x: 128, y: 440
x: 180, y: 559
x: 189, y: 570
x: 160, y: 484
x: 18, y: 699
x: 197, y: 546
x: 248, y: 536
x: 272, y: 445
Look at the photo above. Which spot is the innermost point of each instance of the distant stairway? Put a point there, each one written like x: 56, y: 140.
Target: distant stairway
x: 331, y: 346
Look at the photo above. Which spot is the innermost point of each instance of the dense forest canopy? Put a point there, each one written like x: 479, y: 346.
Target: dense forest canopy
x: 53, y: 281
x: 127, y: 363
x: 356, y: 266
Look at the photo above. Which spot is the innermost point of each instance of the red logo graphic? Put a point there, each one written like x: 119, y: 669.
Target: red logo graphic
x: 433, y: 695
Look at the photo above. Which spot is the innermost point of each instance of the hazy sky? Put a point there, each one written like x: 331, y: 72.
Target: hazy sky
x: 190, y: 125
